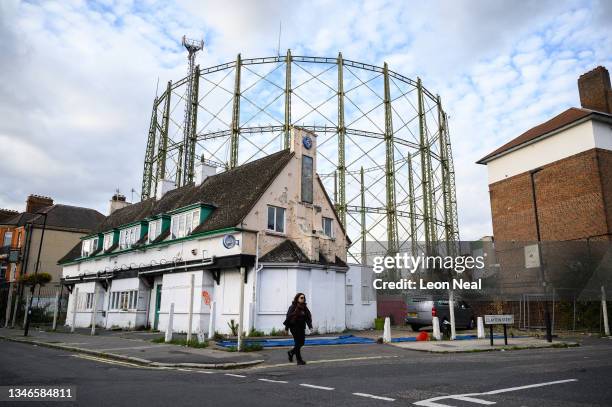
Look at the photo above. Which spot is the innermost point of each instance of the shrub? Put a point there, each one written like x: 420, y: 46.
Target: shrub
x: 255, y: 332
x: 182, y: 342
x: 35, y: 279
x: 233, y: 326
x: 281, y: 332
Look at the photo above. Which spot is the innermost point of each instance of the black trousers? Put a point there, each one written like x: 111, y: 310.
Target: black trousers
x: 299, y: 336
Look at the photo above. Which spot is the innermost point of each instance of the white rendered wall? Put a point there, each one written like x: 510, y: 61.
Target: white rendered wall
x: 582, y: 137
x: 361, y: 313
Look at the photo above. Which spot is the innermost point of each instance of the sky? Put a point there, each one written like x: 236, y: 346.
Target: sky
x: 79, y: 77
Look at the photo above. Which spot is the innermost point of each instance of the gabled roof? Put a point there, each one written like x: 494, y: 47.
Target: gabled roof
x: 568, y: 117
x: 232, y: 193
x: 67, y: 217
x: 289, y: 252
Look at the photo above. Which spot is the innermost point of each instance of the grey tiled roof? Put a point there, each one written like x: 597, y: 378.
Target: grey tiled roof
x: 232, y: 194
x: 289, y: 252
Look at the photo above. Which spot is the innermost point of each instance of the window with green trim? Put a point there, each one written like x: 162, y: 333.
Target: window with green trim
x: 183, y: 223
x: 155, y: 228
x: 129, y: 236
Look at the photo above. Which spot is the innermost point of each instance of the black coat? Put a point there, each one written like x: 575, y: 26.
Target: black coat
x: 298, y: 319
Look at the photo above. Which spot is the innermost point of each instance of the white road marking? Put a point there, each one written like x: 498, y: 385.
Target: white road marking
x: 374, y: 397
x: 310, y: 362
x: 432, y: 402
x: 474, y: 400
x: 234, y: 375
x: 272, y: 381
x: 312, y: 386
x: 205, y: 372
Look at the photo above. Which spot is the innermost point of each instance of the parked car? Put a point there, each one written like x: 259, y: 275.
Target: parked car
x: 421, y: 311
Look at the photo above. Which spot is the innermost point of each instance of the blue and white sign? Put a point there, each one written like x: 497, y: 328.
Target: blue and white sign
x: 229, y: 241
x: 307, y: 141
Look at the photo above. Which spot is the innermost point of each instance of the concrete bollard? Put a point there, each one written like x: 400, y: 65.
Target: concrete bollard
x: 436, y: 328
x: 481, y: 331
x: 170, y: 321
x: 387, y: 331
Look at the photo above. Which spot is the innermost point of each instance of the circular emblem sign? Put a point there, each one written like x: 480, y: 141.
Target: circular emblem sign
x: 307, y: 141
x: 229, y: 241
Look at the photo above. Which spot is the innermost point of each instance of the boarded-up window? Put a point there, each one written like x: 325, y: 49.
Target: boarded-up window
x: 307, y: 179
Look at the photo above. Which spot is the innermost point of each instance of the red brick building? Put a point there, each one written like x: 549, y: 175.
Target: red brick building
x: 553, y: 184
x: 560, y: 169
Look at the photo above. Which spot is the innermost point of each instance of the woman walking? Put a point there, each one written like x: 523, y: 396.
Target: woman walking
x: 298, y: 316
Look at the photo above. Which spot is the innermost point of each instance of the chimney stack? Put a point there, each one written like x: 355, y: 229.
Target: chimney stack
x: 117, y: 202
x: 37, y: 202
x: 6, y: 214
x: 205, y: 169
x: 595, y: 91
x: 164, y: 186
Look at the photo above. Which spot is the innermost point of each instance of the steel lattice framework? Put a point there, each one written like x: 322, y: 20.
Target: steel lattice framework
x: 383, y: 141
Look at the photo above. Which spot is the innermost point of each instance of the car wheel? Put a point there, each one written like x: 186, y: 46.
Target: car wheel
x: 415, y: 327
x: 471, y: 324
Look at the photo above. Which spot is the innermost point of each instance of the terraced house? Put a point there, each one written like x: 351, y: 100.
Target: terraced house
x: 186, y: 247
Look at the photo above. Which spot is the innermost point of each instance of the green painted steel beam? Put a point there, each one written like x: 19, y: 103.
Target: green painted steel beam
x: 341, y: 144
x: 389, y: 167
x: 287, y: 126
x: 163, y: 143
x: 235, y: 138
x: 147, y: 177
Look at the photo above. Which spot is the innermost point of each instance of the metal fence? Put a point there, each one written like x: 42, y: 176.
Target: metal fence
x: 45, y: 301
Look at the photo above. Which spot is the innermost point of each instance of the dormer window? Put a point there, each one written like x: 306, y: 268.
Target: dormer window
x: 108, y: 241
x: 129, y: 236
x: 89, y: 246
x: 155, y: 229
x: 182, y: 224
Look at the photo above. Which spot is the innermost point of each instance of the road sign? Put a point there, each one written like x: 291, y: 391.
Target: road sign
x: 499, y: 319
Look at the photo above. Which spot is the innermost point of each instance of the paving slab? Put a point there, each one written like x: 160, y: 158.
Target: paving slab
x: 482, y: 345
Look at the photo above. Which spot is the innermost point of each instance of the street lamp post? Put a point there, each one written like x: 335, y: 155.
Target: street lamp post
x: 26, y: 326
x: 547, y: 319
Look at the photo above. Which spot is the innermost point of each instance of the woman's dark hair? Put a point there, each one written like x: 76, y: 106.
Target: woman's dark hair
x: 295, y: 299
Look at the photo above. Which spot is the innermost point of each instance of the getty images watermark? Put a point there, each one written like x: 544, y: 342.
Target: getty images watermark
x: 457, y: 265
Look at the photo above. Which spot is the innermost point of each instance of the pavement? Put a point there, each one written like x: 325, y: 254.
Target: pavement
x: 551, y: 377
x: 135, y: 347
x: 483, y: 345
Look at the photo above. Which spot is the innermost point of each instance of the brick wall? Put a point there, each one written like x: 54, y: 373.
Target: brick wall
x: 571, y: 204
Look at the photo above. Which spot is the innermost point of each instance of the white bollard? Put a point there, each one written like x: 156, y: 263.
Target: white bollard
x: 604, y: 310
x: 170, y: 321
x: 387, y: 331
x: 74, y: 308
x: 190, y: 313
x: 481, y: 331
x: 56, y: 310
x: 435, y: 322
x: 211, y: 320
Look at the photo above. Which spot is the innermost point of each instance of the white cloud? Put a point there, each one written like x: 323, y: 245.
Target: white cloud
x: 79, y: 77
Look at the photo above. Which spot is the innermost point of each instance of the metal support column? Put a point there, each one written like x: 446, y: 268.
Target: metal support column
x: 446, y: 198
x: 364, y: 246
x: 189, y: 172
x: 412, y: 207
x: 288, y: 100
x: 341, y: 146
x: 147, y: 177
x: 163, y: 142
x: 424, y: 167
x: 389, y: 168
x: 236, y: 115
